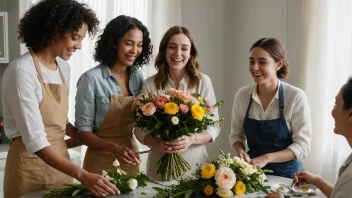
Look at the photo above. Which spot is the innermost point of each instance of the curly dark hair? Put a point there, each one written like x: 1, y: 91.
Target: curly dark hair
x: 105, y: 47
x: 49, y: 19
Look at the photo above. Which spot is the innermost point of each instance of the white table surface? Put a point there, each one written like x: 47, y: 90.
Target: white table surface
x: 150, y: 192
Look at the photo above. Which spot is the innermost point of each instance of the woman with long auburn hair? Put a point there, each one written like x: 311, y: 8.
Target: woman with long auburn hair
x: 178, y: 68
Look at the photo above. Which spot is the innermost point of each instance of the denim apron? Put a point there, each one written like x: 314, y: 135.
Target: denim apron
x: 268, y: 136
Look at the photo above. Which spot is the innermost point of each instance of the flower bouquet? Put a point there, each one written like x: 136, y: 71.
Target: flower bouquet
x: 117, y: 176
x: 171, y: 114
x: 223, y: 177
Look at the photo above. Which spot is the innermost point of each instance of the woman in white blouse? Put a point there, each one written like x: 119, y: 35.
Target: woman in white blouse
x: 178, y: 68
x: 342, y: 114
x: 270, y: 118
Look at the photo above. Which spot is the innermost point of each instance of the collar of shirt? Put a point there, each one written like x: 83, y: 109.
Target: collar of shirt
x: 107, y: 73
x: 256, y: 98
x: 183, y: 83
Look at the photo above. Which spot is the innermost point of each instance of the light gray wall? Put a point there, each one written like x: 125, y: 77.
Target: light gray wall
x: 224, y: 30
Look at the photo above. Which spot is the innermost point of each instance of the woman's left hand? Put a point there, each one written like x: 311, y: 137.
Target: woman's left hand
x: 260, y: 161
x: 274, y: 194
x: 181, y: 144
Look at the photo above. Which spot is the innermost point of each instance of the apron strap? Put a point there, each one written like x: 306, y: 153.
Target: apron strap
x: 37, y: 67
x: 281, y: 101
x: 249, y: 107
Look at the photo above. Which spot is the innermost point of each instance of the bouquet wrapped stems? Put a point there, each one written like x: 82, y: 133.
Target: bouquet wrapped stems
x: 171, y: 166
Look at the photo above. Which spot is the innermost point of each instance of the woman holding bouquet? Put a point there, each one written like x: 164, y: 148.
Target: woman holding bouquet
x: 342, y: 114
x: 35, y: 101
x: 105, y: 94
x: 178, y: 68
x: 270, y: 117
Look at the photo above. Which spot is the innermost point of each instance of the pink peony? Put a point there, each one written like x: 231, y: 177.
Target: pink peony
x: 135, y: 105
x: 148, y: 109
x: 160, y: 102
x: 225, y: 178
x: 210, y: 108
x: 184, y: 108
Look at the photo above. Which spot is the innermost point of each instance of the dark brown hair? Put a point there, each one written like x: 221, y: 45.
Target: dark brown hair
x: 192, y: 66
x: 346, y: 93
x: 276, y: 51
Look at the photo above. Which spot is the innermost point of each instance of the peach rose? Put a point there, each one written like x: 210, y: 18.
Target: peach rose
x: 148, y: 109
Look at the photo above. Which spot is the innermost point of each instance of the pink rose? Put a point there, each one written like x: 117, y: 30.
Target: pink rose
x: 148, y: 109
x: 210, y: 108
x: 160, y: 102
x: 225, y: 178
x: 166, y: 96
x: 193, y: 100
x: 135, y: 105
x: 184, y: 108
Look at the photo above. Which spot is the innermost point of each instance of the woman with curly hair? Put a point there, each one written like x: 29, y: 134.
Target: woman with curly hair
x: 178, y: 68
x: 105, y: 94
x: 35, y: 101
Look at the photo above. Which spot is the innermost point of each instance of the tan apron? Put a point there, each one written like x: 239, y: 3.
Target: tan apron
x: 117, y: 127
x: 25, y: 173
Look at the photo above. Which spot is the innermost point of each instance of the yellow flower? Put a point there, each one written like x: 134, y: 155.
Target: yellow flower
x: 208, y: 190
x: 240, y: 188
x: 171, y: 108
x: 200, y: 99
x: 208, y: 171
x: 197, y: 112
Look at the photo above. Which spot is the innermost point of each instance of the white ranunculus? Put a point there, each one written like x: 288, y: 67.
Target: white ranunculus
x: 108, y: 177
x: 104, y: 172
x: 116, y: 163
x: 175, y: 120
x: 132, y: 183
x: 224, y: 192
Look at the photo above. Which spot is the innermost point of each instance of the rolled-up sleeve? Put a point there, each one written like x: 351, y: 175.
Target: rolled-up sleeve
x: 85, y: 105
x: 237, y: 119
x: 207, y: 92
x: 301, y: 126
x: 24, y: 106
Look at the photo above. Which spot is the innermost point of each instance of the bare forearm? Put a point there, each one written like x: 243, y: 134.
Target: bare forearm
x: 324, y: 186
x: 71, y: 131
x: 281, y: 156
x: 151, y: 141
x: 201, y: 138
x: 94, y: 142
x: 72, y: 143
x: 49, y: 156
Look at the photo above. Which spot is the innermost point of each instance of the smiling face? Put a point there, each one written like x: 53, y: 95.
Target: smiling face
x: 69, y: 42
x: 129, y: 47
x: 178, y: 51
x: 262, y: 66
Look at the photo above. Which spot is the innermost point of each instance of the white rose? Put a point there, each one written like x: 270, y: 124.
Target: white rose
x: 224, y: 192
x: 108, y: 177
x: 116, y: 163
x: 174, y: 120
x: 121, y: 172
x: 104, y: 172
x: 132, y: 183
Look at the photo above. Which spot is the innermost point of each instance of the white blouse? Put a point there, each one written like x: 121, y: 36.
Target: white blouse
x: 21, y: 95
x: 297, y: 114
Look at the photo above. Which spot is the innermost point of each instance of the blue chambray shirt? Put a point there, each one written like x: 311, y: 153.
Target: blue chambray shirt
x: 94, y: 89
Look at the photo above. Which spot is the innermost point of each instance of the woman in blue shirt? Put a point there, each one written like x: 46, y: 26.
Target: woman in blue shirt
x: 105, y: 94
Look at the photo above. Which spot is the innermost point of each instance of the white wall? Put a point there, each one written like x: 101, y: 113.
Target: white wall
x: 224, y: 30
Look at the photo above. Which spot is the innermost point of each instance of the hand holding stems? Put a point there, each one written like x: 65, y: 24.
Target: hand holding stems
x: 98, y: 185
x: 126, y: 155
x: 179, y: 145
x: 260, y: 161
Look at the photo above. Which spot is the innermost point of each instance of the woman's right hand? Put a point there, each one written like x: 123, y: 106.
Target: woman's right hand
x: 244, y: 156
x: 98, y: 185
x: 300, y: 178
x: 126, y: 156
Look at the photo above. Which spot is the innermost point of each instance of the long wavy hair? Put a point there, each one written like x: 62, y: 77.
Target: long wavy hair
x: 192, y: 66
